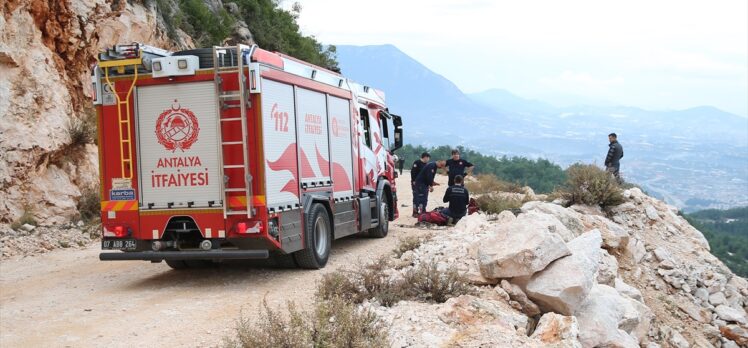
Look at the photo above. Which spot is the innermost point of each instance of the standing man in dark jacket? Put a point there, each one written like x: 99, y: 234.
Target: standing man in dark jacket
x: 414, y: 171
x: 615, y: 153
x: 458, y: 198
x: 457, y: 166
x: 425, y: 183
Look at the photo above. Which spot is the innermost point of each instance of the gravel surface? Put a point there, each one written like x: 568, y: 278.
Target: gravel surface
x: 67, y: 297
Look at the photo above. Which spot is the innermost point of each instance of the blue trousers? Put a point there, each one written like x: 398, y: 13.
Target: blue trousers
x: 421, y: 196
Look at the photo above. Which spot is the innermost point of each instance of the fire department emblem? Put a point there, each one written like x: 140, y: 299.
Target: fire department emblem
x: 177, y: 128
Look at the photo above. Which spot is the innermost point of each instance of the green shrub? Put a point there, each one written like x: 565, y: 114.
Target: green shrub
x: 334, y: 323
x: 494, y: 204
x: 588, y: 184
x: 488, y: 183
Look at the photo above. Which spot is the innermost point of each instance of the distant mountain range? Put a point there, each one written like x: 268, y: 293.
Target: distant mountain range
x: 677, y: 154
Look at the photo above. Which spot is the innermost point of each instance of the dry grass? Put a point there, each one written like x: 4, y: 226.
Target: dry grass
x: 333, y: 323
x: 410, y: 243
x: 89, y: 205
x: 588, y: 184
x: 427, y: 283
x: 26, y: 218
x: 371, y: 282
x: 494, y: 204
x: 488, y: 183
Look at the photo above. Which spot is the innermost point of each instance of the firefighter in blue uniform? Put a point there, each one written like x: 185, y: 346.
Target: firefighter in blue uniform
x: 424, y: 184
x: 456, y: 166
x: 458, y: 198
x: 414, y: 170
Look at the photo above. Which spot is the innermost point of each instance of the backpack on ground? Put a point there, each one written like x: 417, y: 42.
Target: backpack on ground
x: 434, y: 217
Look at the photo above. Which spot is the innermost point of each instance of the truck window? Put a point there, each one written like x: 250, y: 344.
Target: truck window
x: 367, y: 127
x: 383, y: 120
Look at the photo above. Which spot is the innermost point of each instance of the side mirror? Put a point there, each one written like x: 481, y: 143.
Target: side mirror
x: 398, y: 122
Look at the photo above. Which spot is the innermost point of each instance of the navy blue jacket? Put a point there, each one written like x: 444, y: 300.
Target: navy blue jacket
x: 458, y: 198
x: 426, y: 175
x: 415, y: 169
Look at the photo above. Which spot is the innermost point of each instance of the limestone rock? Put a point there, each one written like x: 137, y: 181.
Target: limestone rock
x: 628, y: 290
x: 607, y: 269
x: 570, y: 218
x: 548, y: 221
x: 516, y: 294
x: 601, y: 316
x: 652, y: 213
x: 614, y: 235
x: 557, y: 330
x: 519, y: 248
x: 735, y: 333
x: 473, y: 223
x: 565, y: 283
x: 730, y: 314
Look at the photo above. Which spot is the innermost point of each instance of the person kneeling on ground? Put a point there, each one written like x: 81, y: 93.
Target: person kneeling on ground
x: 458, y: 198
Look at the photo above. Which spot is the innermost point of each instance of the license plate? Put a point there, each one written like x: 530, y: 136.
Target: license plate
x: 122, y: 244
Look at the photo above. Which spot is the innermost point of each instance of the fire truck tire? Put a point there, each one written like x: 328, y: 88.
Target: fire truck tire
x: 205, y: 56
x: 317, y: 239
x: 384, y: 223
x: 177, y: 264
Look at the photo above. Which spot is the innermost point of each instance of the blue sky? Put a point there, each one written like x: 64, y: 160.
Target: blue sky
x: 660, y: 54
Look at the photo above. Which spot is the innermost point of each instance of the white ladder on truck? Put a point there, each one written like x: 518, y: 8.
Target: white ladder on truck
x: 226, y: 60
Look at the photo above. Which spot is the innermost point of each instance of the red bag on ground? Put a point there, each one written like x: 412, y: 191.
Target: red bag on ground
x: 473, y: 206
x: 434, y: 217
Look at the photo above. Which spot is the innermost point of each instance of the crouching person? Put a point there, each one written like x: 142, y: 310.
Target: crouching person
x: 458, y: 198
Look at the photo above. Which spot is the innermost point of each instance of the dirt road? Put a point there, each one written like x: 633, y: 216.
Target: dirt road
x: 68, y: 298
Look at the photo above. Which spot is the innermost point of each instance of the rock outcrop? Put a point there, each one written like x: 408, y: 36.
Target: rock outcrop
x: 634, y: 275
x: 520, y: 248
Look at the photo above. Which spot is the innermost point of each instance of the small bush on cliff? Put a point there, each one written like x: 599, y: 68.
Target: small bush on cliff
x: 26, y: 218
x: 428, y: 283
x: 373, y: 282
x: 82, y: 131
x: 334, y: 323
x: 488, y: 183
x: 89, y: 206
x: 494, y: 204
x: 409, y: 243
x: 588, y: 184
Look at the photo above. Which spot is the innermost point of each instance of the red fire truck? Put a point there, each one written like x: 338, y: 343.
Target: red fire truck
x: 238, y: 153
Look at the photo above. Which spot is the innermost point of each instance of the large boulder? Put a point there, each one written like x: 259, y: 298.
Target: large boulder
x: 557, y: 330
x: 604, y: 318
x: 519, y: 248
x: 564, y: 285
x: 614, y: 235
x: 472, y: 224
x: 549, y: 221
x: 570, y: 218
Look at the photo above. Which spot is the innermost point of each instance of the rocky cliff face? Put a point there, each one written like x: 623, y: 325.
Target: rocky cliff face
x: 47, y: 48
x: 635, y: 276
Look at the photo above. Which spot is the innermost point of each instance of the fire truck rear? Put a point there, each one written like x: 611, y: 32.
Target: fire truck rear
x: 238, y: 153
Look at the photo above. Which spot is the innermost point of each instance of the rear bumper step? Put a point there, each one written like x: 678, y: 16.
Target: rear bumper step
x: 185, y: 255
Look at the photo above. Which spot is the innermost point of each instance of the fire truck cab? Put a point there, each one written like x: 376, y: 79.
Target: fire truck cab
x: 238, y: 153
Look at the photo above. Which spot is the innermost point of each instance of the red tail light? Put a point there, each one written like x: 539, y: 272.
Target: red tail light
x: 249, y: 227
x: 116, y: 231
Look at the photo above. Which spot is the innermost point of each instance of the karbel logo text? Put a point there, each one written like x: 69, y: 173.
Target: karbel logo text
x: 177, y: 128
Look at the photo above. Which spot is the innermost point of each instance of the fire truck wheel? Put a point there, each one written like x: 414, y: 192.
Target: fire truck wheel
x: 384, y: 223
x: 177, y: 264
x: 317, y: 239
